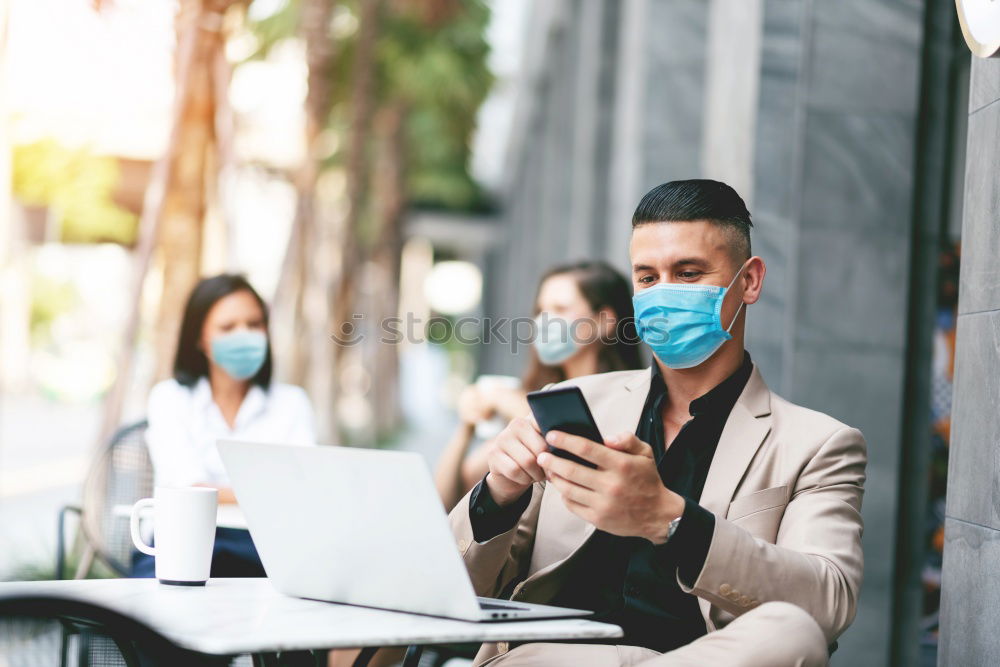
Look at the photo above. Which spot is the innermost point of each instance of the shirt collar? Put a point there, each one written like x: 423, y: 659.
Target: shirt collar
x: 720, y: 399
x: 202, y: 393
x: 253, y: 403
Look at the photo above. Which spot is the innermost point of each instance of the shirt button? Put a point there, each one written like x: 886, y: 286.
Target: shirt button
x: 632, y: 591
x: 480, y: 511
x: 724, y: 589
x: 502, y: 647
x: 462, y: 544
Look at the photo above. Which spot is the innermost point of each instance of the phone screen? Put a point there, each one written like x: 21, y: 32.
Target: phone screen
x: 565, y: 410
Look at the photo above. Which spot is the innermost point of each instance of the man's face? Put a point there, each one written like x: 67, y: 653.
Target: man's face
x: 687, y: 253
x: 681, y: 252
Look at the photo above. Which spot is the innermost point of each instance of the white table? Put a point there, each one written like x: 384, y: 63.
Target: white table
x: 237, y: 616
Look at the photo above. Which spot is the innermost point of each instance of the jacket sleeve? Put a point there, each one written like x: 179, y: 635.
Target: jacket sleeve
x: 493, y: 564
x: 816, y: 562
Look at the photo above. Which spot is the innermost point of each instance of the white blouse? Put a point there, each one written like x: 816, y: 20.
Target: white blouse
x: 185, y: 423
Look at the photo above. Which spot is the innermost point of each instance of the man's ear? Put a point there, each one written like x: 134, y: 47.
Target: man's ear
x: 753, y: 279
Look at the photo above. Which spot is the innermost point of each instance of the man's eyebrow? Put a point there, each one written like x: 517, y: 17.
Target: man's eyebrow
x: 697, y: 261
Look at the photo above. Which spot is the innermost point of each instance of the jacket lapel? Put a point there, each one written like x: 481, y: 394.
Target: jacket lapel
x: 748, y: 424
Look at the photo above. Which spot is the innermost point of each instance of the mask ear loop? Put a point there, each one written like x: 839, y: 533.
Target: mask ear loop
x: 731, y: 283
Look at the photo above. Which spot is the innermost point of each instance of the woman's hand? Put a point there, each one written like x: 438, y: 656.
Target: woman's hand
x: 473, y: 406
x: 226, y: 495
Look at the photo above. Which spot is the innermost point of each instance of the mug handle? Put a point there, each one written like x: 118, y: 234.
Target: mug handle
x: 134, y: 526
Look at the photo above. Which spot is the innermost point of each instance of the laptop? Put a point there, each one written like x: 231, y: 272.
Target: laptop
x: 359, y: 526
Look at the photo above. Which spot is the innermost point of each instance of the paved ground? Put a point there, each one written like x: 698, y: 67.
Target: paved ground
x: 44, y: 449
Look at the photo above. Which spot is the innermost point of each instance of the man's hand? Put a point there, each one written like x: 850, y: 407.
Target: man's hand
x: 624, y: 496
x: 513, y: 460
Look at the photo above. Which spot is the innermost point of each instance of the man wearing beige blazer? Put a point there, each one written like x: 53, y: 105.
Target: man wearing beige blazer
x: 722, y: 523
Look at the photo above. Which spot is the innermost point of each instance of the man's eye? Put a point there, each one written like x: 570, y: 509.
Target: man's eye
x: 689, y: 275
x: 646, y: 280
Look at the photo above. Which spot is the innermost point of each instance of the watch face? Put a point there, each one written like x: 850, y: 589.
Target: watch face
x: 980, y: 20
x: 672, y: 528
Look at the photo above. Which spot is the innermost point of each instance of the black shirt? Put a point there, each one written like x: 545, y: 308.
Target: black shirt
x: 629, y: 581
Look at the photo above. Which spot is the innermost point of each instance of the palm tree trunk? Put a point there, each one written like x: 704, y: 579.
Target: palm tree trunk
x: 158, y: 193
x: 297, y: 271
x: 342, y: 294
x: 390, y: 195
x: 180, y: 237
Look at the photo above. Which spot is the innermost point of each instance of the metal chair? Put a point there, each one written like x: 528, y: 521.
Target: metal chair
x: 33, y: 632
x: 121, y: 475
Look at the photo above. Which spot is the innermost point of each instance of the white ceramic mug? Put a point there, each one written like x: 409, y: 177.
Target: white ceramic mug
x: 184, y: 532
x: 490, y: 428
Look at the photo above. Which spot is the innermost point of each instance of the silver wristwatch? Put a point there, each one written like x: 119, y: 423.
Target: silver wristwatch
x: 672, y: 527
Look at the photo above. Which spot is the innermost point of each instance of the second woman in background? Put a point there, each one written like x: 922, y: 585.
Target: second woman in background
x: 221, y: 388
x: 583, y: 326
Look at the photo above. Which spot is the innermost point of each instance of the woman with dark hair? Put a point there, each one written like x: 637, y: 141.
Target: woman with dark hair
x: 221, y: 388
x: 583, y: 318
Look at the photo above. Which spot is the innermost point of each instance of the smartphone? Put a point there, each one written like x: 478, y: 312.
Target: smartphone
x: 565, y: 410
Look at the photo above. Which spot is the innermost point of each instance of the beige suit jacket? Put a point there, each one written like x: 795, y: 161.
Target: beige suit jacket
x: 785, y: 487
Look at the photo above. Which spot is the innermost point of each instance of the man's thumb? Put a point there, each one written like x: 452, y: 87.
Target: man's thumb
x: 630, y: 444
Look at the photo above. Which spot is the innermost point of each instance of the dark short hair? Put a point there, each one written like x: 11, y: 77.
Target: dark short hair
x: 699, y: 199
x: 191, y: 364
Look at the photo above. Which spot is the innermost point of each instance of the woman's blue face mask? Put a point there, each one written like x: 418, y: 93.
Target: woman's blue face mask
x: 681, y: 322
x: 240, y: 353
x: 555, y: 339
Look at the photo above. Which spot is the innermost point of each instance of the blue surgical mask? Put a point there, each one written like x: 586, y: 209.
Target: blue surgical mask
x: 554, y: 339
x: 240, y: 353
x: 682, y: 323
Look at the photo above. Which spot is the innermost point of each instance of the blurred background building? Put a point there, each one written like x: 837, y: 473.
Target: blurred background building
x: 843, y: 126
x: 435, y: 157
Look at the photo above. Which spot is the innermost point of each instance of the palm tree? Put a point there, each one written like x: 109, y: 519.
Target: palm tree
x: 175, y: 200
x: 402, y: 95
x: 363, y: 100
x: 296, y: 272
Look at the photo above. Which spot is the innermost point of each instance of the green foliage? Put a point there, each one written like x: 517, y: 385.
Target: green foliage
x: 435, y: 69
x: 273, y: 29
x: 77, y: 186
x: 440, y: 74
x: 49, y: 299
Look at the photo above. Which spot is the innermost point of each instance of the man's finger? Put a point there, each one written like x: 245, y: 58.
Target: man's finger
x: 571, y: 491
x: 630, y: 444
x: 569, y: 470
x: 507, y: 467
x: 530, y: 418
x: 523, y: 457
x: 581, y: 511
x: 527, y: 432
x: 586, y: 449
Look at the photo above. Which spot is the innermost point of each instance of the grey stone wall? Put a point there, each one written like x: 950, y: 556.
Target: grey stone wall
x: 822, y: 144
x: 834, y: 173
x: 612, y: 107
x: 970, y: 611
